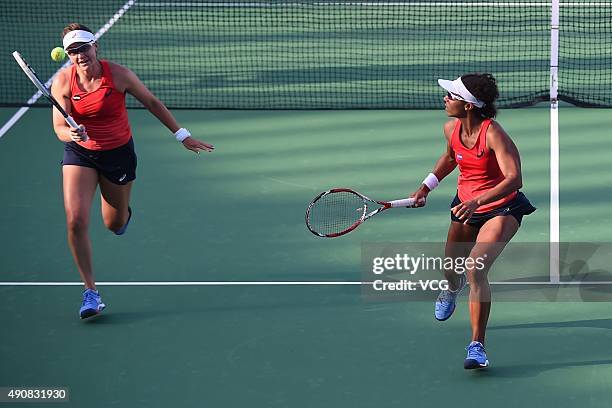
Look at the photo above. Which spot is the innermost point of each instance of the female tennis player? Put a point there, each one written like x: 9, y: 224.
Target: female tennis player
x: 488, y: 208
x: 101, y: 151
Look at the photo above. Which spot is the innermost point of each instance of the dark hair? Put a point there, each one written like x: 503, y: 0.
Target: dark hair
x: 74, y: 26
x: 483, y: 87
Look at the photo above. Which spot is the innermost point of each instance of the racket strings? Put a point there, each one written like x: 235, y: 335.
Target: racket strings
x: 336, y: 212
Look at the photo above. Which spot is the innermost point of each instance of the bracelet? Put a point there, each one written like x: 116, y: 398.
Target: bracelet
x: 431, y: 181
x: 182, y: 134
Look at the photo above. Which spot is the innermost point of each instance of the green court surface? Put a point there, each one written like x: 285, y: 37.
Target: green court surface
x: 238, y: 215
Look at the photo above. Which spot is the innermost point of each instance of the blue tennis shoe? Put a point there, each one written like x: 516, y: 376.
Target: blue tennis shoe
x: 92, y: 304
x: 476, y: 356
x: 447, y: 300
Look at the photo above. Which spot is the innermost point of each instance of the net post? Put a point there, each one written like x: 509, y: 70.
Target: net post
x: 554, y: 144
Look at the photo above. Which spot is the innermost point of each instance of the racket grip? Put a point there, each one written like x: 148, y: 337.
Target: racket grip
x: 75, y: 125
x: 406, y: 202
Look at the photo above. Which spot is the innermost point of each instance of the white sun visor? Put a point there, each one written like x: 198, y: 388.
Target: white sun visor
x: 77, y: 36
x: 459, y: 91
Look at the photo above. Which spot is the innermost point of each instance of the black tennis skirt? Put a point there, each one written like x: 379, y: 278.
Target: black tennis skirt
x: 117, y: 165
x: 517, y: 208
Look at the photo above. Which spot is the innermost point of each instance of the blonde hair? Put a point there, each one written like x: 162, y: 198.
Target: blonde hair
x: 75, y: 26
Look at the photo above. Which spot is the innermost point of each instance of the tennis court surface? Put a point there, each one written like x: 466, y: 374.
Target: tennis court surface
x: 218, y: 295
x: 241, y: 219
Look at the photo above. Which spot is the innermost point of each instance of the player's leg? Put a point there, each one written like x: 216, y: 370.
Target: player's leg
x: 459, y: 242
x: 80, y: 185
x: 492, y: 239
x: 116, y: 178
x: 115, y: 200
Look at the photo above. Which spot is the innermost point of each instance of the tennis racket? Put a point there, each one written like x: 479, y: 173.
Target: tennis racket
x: 339, y: 211
x: 29, y: 71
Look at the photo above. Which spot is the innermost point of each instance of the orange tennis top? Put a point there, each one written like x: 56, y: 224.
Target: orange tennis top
x: 102, y: 112
x: 479, y: 171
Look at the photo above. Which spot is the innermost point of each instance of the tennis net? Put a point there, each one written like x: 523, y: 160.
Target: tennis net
x: 323, y: 54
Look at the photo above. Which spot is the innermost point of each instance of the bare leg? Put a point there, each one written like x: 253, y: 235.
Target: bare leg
x: 115, y: 201
x: 80, y: 185
x: 491, y: 240
x: 459, y: 242
x: 461, y: 239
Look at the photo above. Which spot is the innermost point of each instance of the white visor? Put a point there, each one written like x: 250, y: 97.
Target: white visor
x: 77, y: 36
x: 459, y: 91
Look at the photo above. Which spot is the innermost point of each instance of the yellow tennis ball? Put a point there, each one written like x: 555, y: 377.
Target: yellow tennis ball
x: 58, y: 54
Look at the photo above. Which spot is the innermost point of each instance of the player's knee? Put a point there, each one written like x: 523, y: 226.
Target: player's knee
x: 114, y: 224
x: 478, y: 277
x: 76, y: 222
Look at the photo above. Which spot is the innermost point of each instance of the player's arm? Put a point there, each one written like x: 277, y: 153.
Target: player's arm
x: 60, y: 90
x: 129, y: 82
x: 443, y: 167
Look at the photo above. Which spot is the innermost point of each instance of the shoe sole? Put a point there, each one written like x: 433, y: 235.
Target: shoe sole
x: 470, y: 364
x: 86, y: 314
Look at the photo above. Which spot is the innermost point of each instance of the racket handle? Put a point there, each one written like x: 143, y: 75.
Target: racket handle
x: 406, y: 202
x: 75, y: 125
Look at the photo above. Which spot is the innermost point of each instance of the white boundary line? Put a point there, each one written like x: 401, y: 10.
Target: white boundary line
x: 11, y: 122
x: 180, y: 283
x: 374, y: 4
x: 22, y: 111
x: 271, y: 283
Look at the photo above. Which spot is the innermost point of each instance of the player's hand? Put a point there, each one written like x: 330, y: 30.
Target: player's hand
x: 464, y: 211
x: 420, y: 196
x: 78, y: 134
x: 196, y: 145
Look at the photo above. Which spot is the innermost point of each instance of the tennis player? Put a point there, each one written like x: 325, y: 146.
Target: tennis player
x: 100, y: 152
x: 488, y: 208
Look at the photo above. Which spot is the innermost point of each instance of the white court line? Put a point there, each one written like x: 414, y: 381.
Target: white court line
x: 288, y: 183
x: 183, y: 283
x: 375, y: 4
x: 270, y: 283
x: 11, y: 122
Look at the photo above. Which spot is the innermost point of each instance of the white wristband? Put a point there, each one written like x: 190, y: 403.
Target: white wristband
x: 431, y: 181
x: 182, y: 134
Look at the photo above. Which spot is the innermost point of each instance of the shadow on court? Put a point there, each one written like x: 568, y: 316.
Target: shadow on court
x: 315, y: 303
x: 538, y: 367
x: 593, y: 323
x: 535, y: 369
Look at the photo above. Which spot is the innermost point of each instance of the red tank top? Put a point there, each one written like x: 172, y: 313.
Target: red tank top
x: 101, y: 111
x: 478, y: 168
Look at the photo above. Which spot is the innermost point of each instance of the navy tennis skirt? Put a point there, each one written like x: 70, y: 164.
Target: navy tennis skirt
x: 117, y: 165
x: 517, y: 208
